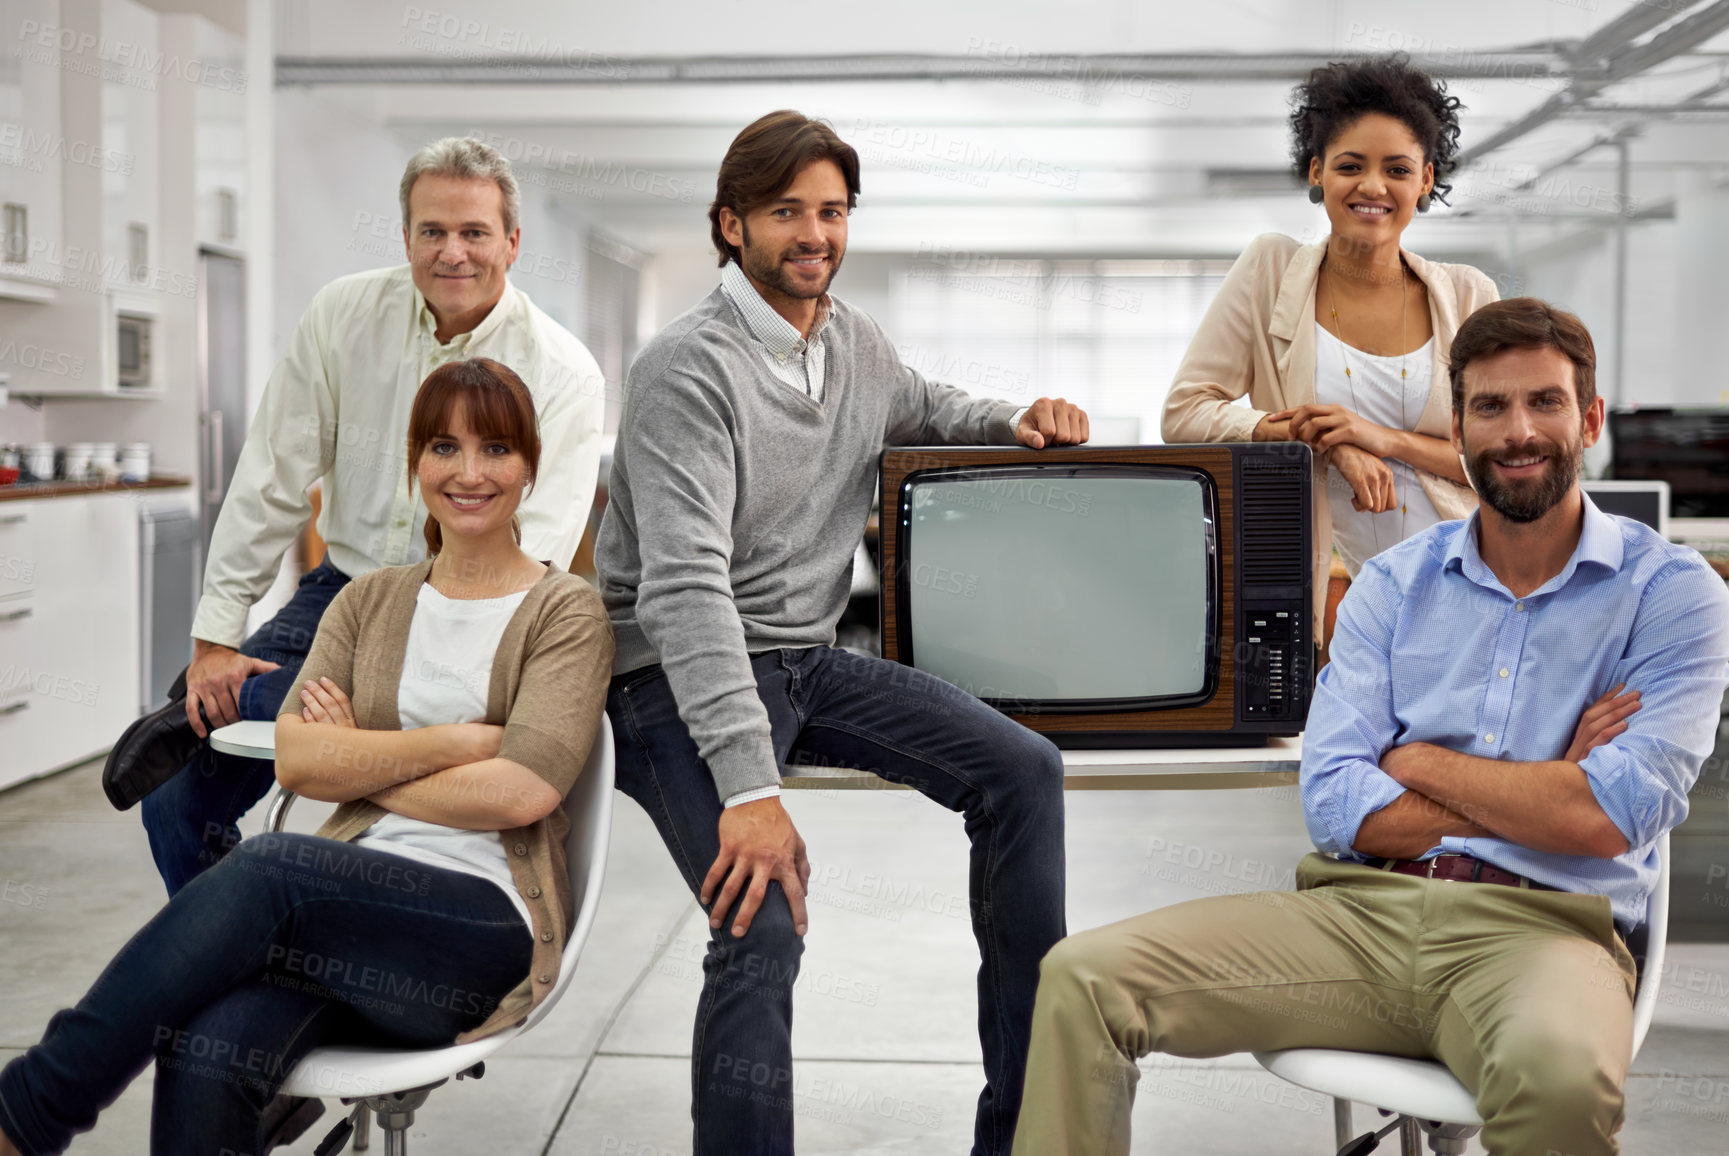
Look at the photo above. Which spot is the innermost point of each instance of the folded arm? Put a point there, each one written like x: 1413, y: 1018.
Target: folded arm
x: 1441, y: 798
x: 1410, y: 826
x: 1546, y: 806
x: 490, y: 795
x: 1327, y: 427
x: 535, y: 757
x: 335, y: 763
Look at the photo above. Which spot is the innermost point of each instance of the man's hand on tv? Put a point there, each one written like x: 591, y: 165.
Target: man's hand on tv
x: 1370, y: 478
x: 1602, y: 721
x: 214, y: 679
x: 1052, y: 422
x: 758, y: 843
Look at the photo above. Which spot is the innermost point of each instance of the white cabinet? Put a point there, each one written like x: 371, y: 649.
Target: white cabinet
x: 131, y: 225
x: 219, y: 104
x: 33, y: 151
x: 69, y: 629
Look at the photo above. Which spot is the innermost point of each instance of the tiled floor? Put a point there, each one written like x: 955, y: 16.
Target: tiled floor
x: 888, y: 1061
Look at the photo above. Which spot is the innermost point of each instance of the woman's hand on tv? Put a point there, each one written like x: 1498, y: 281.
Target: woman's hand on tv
x: 1052, y: 422
x: 1275, y: 427
x: 1326, y: 426
x: 1370, y: 478
x: 324, y: 702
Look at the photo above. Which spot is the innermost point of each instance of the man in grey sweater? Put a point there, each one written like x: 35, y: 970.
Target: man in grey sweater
x: 740, y: 486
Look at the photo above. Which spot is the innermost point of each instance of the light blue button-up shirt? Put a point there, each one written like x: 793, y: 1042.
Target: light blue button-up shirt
x: 1431, y: 647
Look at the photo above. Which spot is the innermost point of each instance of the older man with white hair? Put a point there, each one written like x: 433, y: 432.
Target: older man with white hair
x: 336, y: 410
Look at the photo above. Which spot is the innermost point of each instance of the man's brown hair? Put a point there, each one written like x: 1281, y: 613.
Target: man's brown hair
x: 1523, y: 323
x: 765, y: 159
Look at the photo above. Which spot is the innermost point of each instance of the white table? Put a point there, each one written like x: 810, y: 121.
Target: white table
x: 1177, y: 769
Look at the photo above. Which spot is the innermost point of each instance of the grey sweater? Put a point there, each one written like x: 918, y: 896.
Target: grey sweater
x: 737, y: 502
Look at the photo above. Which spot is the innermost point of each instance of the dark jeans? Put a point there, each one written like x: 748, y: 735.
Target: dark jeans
x: 290, y: 943
x: 832, y: 708
x: 192, y: 818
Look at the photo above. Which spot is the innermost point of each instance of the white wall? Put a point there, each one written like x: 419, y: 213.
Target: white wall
x: 336, y: 174
x: 1578, y: 274
x: 1701, y: 300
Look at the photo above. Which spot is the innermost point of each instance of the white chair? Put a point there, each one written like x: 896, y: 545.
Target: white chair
x: 392, y: 1083
x: 1424, y: 1096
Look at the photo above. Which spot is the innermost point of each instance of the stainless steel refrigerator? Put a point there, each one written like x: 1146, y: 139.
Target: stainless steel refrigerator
x: 221, y: 378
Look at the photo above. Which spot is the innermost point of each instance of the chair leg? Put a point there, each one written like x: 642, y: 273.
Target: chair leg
x: 1448, y: 1139
x: 1410, y: 1137
x: 1341, y: 1123
x: 362, y: 1129
x: 396, y: 1115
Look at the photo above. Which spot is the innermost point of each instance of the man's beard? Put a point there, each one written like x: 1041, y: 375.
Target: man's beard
x: 771, y: 272
x: 1526, y: 501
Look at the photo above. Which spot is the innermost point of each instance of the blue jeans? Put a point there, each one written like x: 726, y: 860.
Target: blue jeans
x: 290, y: 943
x: 192, y: 818
x: 832, y: 708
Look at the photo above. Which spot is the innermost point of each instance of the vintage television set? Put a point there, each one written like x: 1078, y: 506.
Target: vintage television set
x: 1131, y: 596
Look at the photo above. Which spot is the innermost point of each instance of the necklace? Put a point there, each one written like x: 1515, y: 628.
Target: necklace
x: 1351, y: 386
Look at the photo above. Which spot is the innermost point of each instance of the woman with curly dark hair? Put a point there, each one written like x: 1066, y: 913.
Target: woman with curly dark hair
x: 1342, y: 344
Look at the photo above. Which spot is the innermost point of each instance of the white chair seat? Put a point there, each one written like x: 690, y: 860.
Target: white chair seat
x: 251, y: 739
x: 349, y: 1073
x: 1423, y: 1089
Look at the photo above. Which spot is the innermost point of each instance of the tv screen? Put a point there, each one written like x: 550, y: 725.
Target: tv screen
x: 1070, y: 587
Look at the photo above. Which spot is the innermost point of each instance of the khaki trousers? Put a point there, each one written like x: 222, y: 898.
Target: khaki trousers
x: 1526, y: 995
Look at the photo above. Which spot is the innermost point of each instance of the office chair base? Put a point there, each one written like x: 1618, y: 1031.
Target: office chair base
x: 1444, y: 1139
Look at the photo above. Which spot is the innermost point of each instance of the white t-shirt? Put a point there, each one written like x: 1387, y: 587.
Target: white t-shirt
x: 1376, y: 392
x: 446, y: 673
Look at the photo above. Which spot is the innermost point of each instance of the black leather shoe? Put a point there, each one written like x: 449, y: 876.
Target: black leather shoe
x: 152, y: 750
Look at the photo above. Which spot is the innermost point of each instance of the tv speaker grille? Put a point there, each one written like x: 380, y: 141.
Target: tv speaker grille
x: 1272, y: 523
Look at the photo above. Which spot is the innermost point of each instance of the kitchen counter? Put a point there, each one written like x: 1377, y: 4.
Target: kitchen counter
x: 20, y: 491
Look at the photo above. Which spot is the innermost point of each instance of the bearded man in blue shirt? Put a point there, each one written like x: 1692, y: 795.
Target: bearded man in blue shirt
x: 1516, y: 708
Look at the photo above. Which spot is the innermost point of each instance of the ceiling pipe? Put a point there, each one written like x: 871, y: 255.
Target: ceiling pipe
x: 1613, y: 65
x: 988, y: 63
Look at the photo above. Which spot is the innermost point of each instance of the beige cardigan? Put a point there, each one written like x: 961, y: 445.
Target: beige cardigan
x: 548, y: 691
x: 1258, y: 338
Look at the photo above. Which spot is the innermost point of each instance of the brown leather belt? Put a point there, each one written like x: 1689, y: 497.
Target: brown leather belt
x: 1455, y: 868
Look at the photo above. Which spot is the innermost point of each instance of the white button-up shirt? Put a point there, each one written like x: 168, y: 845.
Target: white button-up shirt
x: 336, y: 409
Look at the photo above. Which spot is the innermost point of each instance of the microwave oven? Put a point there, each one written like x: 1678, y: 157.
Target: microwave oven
x: 132, y: 346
